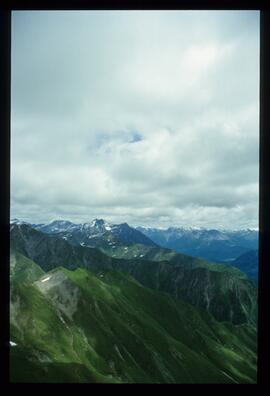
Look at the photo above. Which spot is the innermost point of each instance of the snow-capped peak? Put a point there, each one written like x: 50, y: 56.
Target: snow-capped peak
x: 97, y: 222
x: 18, y: 222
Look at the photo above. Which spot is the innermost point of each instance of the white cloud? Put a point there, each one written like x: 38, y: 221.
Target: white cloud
x: 144, y: 117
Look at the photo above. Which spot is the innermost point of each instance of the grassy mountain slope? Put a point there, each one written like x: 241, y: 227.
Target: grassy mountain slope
x: 149, y: 253
x: 222, y: 290
x: 74, y: 326
x: 18, y: 266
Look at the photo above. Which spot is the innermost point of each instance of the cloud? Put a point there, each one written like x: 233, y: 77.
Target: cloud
x: 146, y: 117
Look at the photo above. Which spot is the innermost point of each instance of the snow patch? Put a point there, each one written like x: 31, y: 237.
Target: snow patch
x: 46, y: 279
x: 95, y: 235
x: 61, y: 318
x: 63, y: 293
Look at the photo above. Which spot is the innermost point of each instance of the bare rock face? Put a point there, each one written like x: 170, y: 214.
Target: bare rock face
x: 62, y: 292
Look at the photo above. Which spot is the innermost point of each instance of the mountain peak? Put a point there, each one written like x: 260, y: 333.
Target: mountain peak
x: 123, y: 225
x: 97, y: 222
x: 18, y: 222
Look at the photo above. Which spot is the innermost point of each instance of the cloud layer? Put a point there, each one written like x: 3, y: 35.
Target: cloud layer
x: 146, y: 117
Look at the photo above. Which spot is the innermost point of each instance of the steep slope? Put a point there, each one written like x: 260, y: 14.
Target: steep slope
x: 149, y: 253
x: 51, y: 251
x: 221, y: 290
x: 213, y: 245
x: 248, y: 263
x: 22, y: 269
x: 77, y: 327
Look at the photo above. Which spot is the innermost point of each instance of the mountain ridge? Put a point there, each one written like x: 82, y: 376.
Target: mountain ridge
x: 225, y: 293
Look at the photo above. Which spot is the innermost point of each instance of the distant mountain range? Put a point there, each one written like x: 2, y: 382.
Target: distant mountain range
x: 211, y: 244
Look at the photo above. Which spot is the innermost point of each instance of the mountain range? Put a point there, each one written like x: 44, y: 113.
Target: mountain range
x: 211, y: 244
x: 97, y: 302
x: 98, y: 229
x: 222, y: 290
x: 234, y: 247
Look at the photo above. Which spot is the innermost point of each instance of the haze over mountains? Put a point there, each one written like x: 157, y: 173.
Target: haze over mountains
x: 123, y: 309
x: 236, y: 247
x: 212, y: 244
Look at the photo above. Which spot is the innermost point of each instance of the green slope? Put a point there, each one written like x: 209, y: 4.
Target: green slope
x: 74, y: 326
x: 223, y: 291
x: 23, y: 269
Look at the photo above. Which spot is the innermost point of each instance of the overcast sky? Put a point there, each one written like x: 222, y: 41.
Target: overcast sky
x: 144, y: 117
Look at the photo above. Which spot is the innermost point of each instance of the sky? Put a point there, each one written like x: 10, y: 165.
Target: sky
x: 144, y: 117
